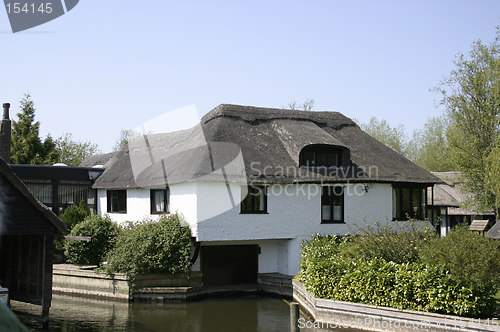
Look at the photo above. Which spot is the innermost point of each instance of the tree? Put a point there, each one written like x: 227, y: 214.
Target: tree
x: 493, y: 175
x: 429, y: 147
x: 306, y: 105
x: 125, y: 136
x: 471, y: 97
x: 395, y: 137
x: 73, y: 152
x: 27, y: 147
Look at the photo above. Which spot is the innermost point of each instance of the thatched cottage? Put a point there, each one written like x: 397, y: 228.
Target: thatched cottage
x: 254, y: 182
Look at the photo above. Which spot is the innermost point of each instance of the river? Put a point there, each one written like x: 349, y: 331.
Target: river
x: 243, y: 313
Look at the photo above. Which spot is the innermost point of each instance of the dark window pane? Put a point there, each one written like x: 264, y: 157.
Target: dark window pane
x: 332, y: 204
x: 406, y: 203
x: 117, y: 200
x: 255, y: 200
x: 409, y: 202
x: 159, y: 201
x: 320, y: 156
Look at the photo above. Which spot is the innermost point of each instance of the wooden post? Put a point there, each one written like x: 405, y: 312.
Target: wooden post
x: 294, y: 317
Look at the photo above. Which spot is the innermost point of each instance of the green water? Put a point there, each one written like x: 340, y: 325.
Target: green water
x: 243, y: 313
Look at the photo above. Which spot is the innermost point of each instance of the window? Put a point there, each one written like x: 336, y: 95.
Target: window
x: 320, y: 155
x: 159, y: 201
x: 41, y: 189
x: 255, y: 200
x: 332, y: 204
x: 408, y: 201
x: 117, y: 201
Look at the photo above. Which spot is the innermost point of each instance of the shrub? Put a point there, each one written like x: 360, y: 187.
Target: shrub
x: 74, y: 214
x: 103, y: 232
x: 398, y: 242
x: 162, y: 246
x: 71, y: 216
x: 328, y: 273
x: 468, y: 256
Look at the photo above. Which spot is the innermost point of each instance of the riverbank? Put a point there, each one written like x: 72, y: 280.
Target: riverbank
x: 76, y: 280
x: 332, y: 314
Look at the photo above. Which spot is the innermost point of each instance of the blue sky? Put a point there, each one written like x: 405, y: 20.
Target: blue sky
x: 111, y: 65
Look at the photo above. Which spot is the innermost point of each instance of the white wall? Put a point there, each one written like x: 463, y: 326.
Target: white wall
x: 293, y: 211
x: 213, y: 213
x: 182, y: 199
x: 293, y: 215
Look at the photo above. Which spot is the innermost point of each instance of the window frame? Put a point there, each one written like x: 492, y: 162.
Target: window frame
x: 331, y: 204
x: 166, y: 201
x: 320, y: 151
x: 398, y: 196
x: 252, y: 198
x: 109, y: 194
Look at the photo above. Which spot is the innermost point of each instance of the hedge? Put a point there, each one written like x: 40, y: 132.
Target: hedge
x: 328, y: 273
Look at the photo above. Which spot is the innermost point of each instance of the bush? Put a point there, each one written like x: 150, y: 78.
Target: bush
x: 399, y: 243
x: 103, y: 232
x: 71, y: 216
x: 162, y: 246
x: 327, y: 272
x: 74, y: 214
x: 468, y: 256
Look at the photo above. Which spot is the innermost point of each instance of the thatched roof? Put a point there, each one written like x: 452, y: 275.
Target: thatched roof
x: 100, y: 159
x: 258, y: 144
x: 450, y: 193
x: 494, y: 231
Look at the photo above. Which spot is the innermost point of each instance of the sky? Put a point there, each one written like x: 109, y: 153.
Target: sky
x: 110, y: 65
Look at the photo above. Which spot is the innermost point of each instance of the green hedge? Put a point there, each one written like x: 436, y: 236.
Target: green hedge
x: 327, y: 272
x: 162, y: 246
x: 103, y: 232
x: 467, y: 255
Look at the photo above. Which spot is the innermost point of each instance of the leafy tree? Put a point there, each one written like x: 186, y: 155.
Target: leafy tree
x: 73, y: 152
x: 471, y: 97
x: 395, y: 137
x: 27, y: 147
x: 493, y: 175
x: 429, y: 147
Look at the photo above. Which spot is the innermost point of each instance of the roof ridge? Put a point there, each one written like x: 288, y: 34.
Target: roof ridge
x: 253, y: 113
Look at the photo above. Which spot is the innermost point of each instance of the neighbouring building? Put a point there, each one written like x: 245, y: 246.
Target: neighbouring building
x: 446, y: 201
x: 59, y: 186
x: 253, y: 183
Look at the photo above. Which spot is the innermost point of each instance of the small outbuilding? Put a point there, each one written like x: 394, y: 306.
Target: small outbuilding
x: 27, y: 232
x: 446, y: 204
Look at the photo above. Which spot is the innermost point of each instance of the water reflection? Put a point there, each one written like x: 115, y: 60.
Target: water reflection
x: 247, y: 313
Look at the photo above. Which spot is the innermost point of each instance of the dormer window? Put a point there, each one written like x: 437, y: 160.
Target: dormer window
x: 321, y: 155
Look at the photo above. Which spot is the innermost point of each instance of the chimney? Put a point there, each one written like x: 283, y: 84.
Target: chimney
x: 5, y: 134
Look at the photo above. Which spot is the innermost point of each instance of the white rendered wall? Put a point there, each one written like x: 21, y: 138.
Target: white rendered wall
x: 182, y: 200
x: 213, y: 213
x: 138, y: 206
x: 293, y: 215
